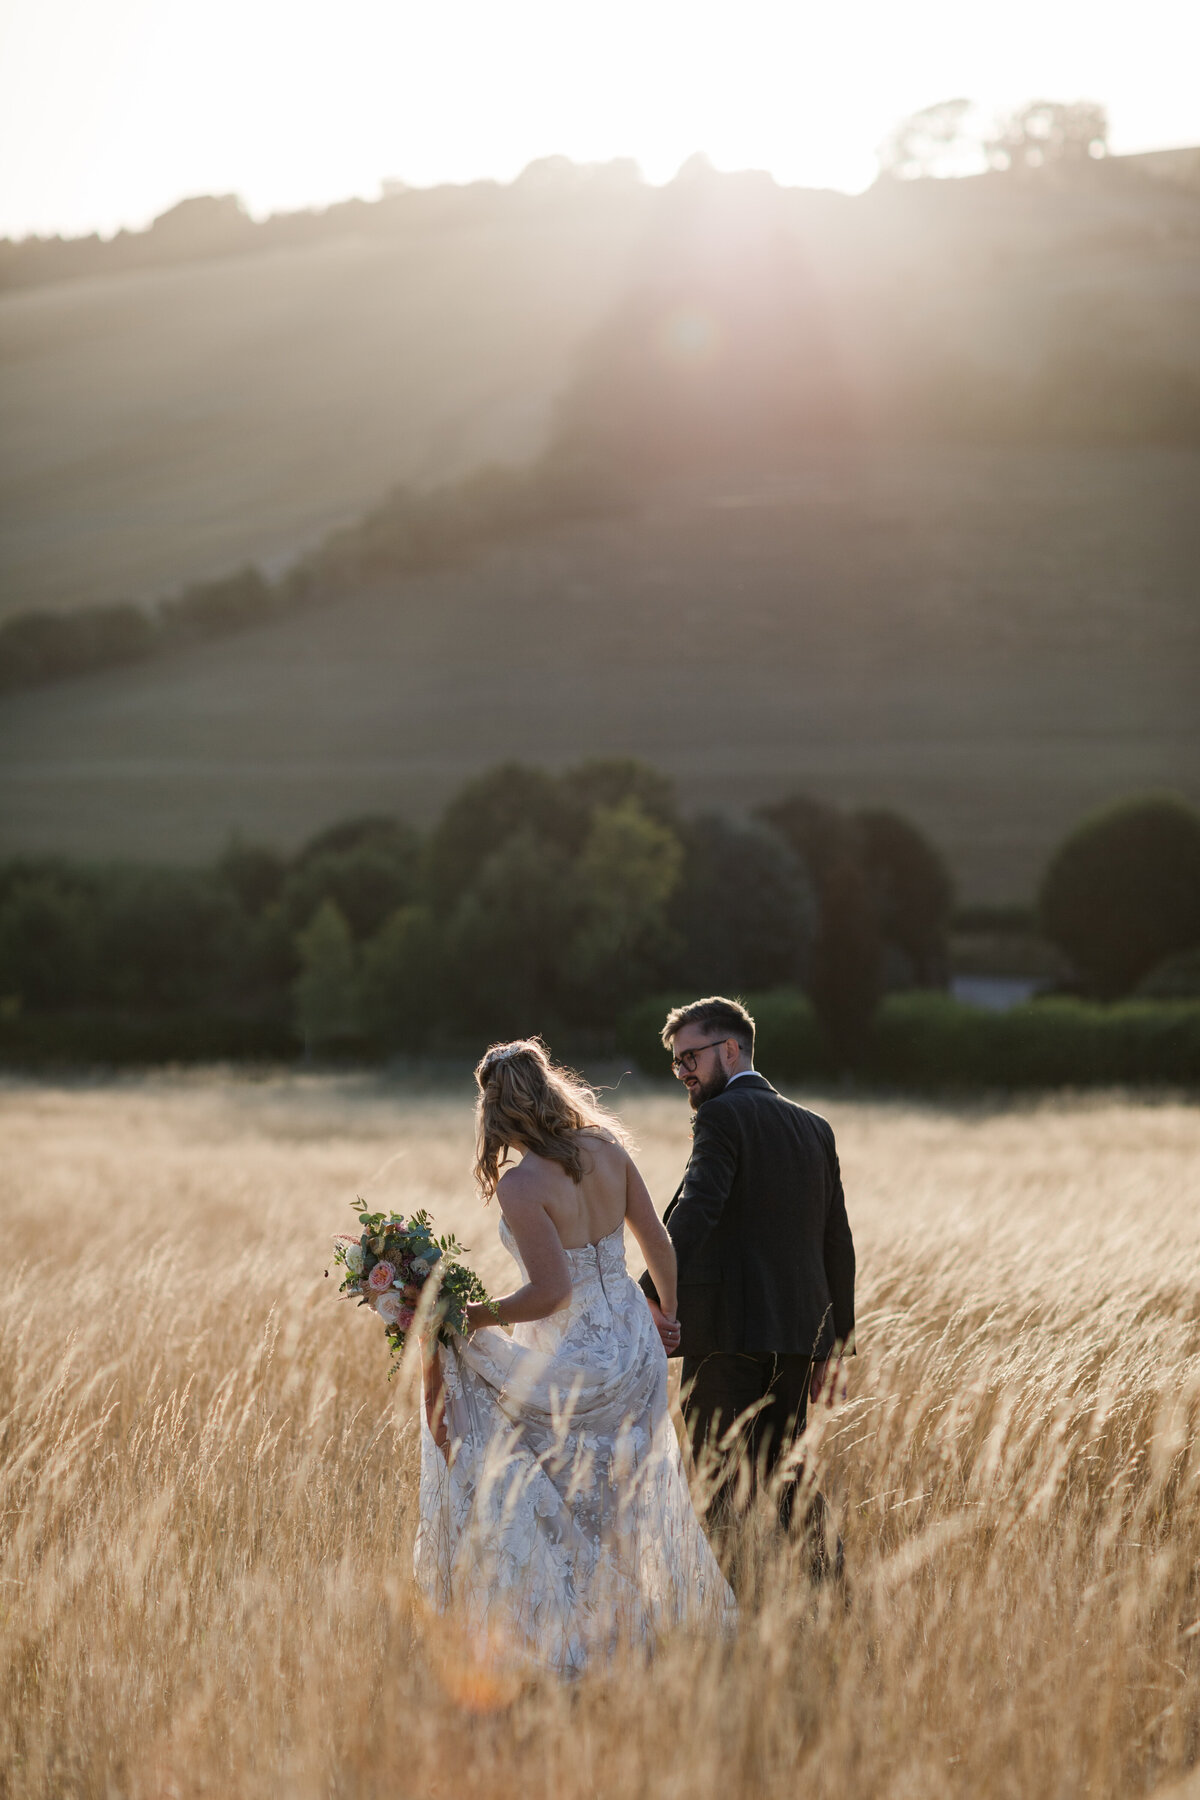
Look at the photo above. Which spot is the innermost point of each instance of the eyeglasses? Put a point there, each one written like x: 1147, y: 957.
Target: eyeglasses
x: 687, y: 1058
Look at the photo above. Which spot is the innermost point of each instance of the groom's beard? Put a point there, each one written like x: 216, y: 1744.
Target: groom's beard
x: 708, y: 1090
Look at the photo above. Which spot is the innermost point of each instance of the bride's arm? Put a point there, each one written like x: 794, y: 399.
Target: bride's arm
x: 549, y: 1286
x: 653, y: 1238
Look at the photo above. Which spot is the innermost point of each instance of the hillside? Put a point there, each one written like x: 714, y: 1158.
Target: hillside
x: 162, y: 424
x: 159, y: 425
x: 873, y: 628
x: 912, y: 519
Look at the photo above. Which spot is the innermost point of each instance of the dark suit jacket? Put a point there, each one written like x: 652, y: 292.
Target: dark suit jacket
x: 766, y: 1260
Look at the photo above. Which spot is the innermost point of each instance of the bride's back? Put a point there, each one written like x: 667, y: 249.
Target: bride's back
x: 587, y: 1210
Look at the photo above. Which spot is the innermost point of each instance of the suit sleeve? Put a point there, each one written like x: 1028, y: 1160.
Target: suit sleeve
x: 707, y: 1183
x: 839, y: 1254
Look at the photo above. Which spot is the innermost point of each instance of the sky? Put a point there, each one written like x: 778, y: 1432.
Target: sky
x: 111, y: 110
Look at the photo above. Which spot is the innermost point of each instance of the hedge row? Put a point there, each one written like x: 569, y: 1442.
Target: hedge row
x: 920, y: 1040
x: 110, y: 1038
x: 931, y: 1040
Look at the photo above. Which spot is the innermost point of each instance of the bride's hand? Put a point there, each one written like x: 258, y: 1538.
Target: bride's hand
x: 479, y: 1314
x: 667, y: 1326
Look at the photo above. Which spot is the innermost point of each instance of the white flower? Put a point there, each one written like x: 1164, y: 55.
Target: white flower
x: 389, y: 1306
x: 354, y: 1258
x: 420, y: 1266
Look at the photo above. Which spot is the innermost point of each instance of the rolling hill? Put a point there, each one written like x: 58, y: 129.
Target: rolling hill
x: 871, y: 628
x: 913, y: 521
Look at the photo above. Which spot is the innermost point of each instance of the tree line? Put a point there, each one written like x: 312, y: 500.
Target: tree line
x: 553, y: 903
x: 537, y: 901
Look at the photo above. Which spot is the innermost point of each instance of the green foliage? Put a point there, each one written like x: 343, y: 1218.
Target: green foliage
x: 624, y: 877
x: 552, y: 904
x: 366, y: 884
x: 928, y: 1040
x: 846, y: 977
x: 932, y: 1040
x: 167, y: 938
x: 912, y: 892
x: 325, y: 993
x: 415, y: 1255
x: 788, y: 1042
x: 486, y: 813
x: 607, y: 781
x: 212, y: 608
x: 506, y: 936
x: 1175, y: 978
x: 254, y: 874
x: 46, y: 646
x: 402, y: 979
x: 748, y: 908
x: 45, y: 928
x: 1123, y: 891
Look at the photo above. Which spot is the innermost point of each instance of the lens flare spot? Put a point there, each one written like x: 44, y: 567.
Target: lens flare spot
x: 689, y: 335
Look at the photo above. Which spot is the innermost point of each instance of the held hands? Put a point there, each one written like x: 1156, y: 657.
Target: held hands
x: 829, y: 1382
x: 666, y: 1325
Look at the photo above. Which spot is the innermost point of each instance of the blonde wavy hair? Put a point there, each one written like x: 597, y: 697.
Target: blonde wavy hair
x: 527, y: 1102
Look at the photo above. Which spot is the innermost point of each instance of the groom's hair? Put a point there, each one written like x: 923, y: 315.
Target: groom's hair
x: 728, y: 1018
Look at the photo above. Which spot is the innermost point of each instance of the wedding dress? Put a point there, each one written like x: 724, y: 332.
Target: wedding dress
x: 559, y: 1527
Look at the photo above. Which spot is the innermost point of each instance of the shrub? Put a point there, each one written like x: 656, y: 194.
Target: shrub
x: 1123, y: 891
x: 42, y: 646
x: 930, y: 1040
x: 1176, y: 978
x: 211, y: 608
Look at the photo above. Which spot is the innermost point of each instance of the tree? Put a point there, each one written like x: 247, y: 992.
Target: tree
x: 749, y: 908
x: 846, y: 976
x: 402, y: 978
x: 325, y: 992
x: 45, y: 942
x: 924, y: 143
x: 506, y: 936
x: 1123, y: 891
x: 846, y: 980
x: 607, y: 781
x: 625, y: 876
x: 1049, y: 131
x: 255, y: 874
x: 487, y: 813
x: 912, y: 893
x: 168, y: 938
x: 367, y: 883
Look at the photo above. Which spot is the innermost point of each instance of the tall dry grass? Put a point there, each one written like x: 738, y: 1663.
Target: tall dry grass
x: 208, y: 1486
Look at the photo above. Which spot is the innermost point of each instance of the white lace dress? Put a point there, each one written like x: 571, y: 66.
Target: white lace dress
x: 561, y: 1527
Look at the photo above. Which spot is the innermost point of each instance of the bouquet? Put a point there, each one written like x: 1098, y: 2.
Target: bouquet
x: 387, y: 1267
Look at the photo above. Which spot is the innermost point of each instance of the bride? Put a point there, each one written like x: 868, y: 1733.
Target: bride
x: 556, y: 1523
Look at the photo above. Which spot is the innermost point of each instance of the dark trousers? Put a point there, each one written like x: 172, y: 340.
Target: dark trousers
x: 717, y: 1390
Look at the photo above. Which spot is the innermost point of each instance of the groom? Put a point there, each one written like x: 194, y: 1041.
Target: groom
x: 766, y: 1261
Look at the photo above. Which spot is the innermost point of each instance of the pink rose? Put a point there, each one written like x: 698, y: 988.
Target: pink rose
x: 381, y: 1277
x: 391, y: 1307
x: 406, y: 1317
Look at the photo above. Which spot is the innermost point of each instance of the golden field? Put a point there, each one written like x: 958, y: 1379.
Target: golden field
x: 209, y: 1486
